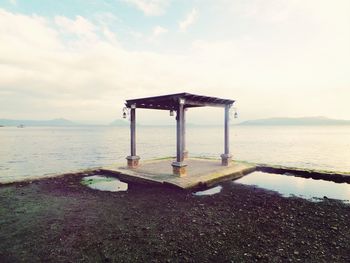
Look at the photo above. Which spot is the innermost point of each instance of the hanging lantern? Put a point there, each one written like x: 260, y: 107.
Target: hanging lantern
x: 124, y: 112
x: 233, y: 113
x: 171, y: 112
x: 236, y: 114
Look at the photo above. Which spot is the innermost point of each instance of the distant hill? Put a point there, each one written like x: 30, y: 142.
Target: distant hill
x: 54, y: 122
x: 297, y: 121
x: 119, y: 122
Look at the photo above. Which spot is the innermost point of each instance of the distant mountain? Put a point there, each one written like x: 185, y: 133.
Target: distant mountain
x: 123, y: 122
x: 297, y: 121
x: 54, y: 122
x: 119, y: 122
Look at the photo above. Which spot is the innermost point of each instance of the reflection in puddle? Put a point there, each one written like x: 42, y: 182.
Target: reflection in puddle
x: 103, y: 183
x: 288, y: 185
x: 210, y: 191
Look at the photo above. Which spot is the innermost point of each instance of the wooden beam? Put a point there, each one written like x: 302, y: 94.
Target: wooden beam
x: 172, y: 100
x: 199, y: 103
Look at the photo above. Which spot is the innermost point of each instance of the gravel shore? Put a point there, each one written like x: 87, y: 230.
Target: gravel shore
x: 60, y: 220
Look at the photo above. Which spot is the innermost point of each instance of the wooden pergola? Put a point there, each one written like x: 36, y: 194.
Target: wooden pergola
x: 178, y: 103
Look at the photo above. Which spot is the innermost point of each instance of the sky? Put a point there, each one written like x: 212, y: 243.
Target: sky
x: 80, y: 59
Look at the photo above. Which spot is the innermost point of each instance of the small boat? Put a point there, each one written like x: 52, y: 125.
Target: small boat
x: 20, y: 126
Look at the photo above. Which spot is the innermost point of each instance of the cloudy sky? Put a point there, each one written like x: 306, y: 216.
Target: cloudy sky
x: 80, y: 59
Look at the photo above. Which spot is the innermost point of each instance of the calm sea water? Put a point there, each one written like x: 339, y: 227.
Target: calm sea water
x: 297, y: 186
x: 39, y: 151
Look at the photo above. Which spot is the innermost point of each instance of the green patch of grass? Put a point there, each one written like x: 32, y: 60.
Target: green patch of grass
x: 89, y: 181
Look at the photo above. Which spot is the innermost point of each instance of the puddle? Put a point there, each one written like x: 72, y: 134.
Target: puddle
x: 210, y: 191
x: 103, y: 183
x: 288, y: 185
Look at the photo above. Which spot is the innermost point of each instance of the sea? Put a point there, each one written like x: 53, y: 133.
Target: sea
x: 33, y: 152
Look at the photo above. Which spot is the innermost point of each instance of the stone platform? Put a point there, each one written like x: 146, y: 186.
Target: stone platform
x: 200, y: 172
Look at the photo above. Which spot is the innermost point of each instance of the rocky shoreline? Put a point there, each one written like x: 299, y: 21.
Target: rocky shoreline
x: 60, y: 220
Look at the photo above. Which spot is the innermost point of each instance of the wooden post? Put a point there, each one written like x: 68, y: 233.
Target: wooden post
x: 226, y: 157
x: 133, y: 159
x: 179, y: 168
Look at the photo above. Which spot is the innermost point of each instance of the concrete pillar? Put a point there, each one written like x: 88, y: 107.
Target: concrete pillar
x: 226, y: 157
x: 179, y: 168
x: 185, y: 152
x: 133, y: 159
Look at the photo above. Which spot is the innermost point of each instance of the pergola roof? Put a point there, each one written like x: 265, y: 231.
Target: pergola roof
x: 171, y: 101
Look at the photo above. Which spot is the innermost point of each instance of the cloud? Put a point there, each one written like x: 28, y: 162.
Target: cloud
x: 47, y: 74
x: 188, y: 21
x: 80, y: 69
x: 272, y: 10
x: 135, y: 34
x: 106, y: 18
x: 158, y: 30
x: 80, y: 27
x: 150, y: 7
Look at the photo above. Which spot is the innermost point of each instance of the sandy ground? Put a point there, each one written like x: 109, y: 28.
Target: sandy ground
x: 60, y: 220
